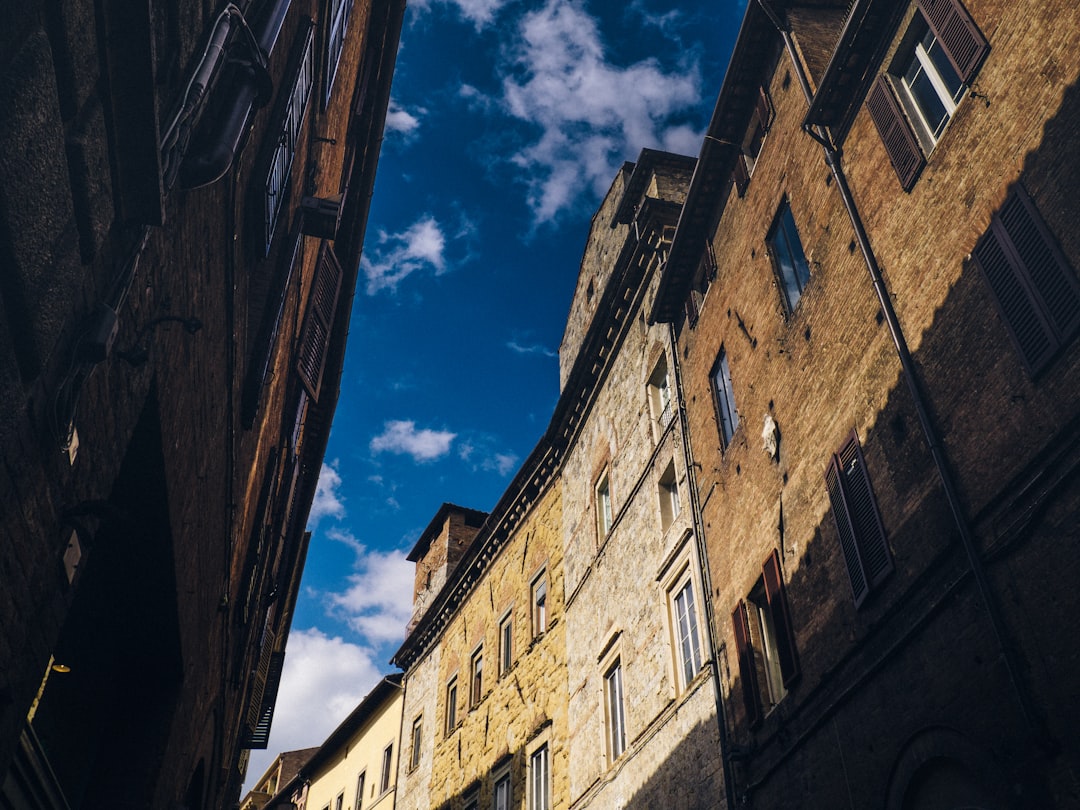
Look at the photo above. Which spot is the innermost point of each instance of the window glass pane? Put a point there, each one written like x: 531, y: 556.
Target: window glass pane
x: 926, y: 98
x: 788, y: 256
x: 686, y: 621
x: 725, y: 398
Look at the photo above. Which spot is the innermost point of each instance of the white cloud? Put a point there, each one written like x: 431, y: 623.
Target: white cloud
x: 477, y: 452
x: 398, y: 119
x: 397, y: 256
x: 592, y: 114
x: 402, y: 437
x: 530, y: 348
x: 378, y: 602
x: 481, y: 13
x: 328, y: 501
x: 324, y: 679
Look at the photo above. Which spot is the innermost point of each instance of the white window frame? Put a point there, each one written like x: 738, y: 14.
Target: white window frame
x: 913, y: 49
x: 338, y: 13
x: 502, y: 777
x: 686, y: 636
x: 360, y: 789
x: 668, y: 493
x: 506, y: 642
x: 476, y: 677
x: 614, y: 709
x: 763, y: 631
x: 540, y: 777
x: 660, y: 398
x: 539, y: 604
x: 417, y: 742
x: 604, y: 512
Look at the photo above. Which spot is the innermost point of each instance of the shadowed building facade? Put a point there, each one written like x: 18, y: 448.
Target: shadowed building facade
x: 183, y: 197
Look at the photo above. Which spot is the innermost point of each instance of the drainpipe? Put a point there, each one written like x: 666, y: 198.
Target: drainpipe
x: 703, y: 568
x: 907, y: 364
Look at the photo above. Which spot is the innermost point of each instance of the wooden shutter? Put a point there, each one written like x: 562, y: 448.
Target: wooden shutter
x: 740, y: 175
x: 319, y: 320
x: 747, y: 670
x: 259, y: 736
x: 781, y: 619
x: 764, y: 109
x: 960, y: 38
x: 858, y: 522
x: 1035, y: 289
x: 897, y: 135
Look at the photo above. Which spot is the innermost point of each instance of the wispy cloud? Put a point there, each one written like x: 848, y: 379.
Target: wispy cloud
x: 325, y: 677
x: 591, y: 113
x: 479, y: 453
x: 481, y: 13
x: 328, y: 501
x: 396, y: 256
x: 530, y: 348
x: 377, y: 603
x: 403, y: 438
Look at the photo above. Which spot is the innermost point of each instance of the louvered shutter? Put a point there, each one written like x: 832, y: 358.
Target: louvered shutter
x: 740, y: 175
x: 1035, y: 289
x: 897, y: 135
x: 960, y: 38
x: 747, y: 670
x: 259, y: 737
x: 764, y: 109
x: 319, y: 320
x: 781, y: 619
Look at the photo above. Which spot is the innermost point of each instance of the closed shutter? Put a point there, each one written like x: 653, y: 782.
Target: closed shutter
x: 960, y: 38
x: 1035, y: 289
x: 259, y: 738
x: 764, y: 109
x: 900, y: 143
x: 747, y: 670
x: 862, y: 536
x: 319, y: 320
x: 781, y: 619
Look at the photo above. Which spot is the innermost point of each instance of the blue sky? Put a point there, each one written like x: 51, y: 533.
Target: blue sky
x: 507, y: 123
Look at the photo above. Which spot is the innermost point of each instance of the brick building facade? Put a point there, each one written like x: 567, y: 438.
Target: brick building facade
x: 183, y: 196
x: 874, y: 280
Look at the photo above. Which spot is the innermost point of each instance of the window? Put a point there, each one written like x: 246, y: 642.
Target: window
x: 451, y: 706
x: 501, y: 796
x: 384, y: 779
x: 286, y: 134
x: 1035, y: 288
x: 703, y: 278
x: 539, y: 605
x: 472, y: 801
x: 765, y: 642
x: 337, y: 14
x: 360, y: 790
x: 685, y: 626
x: 506, y: 644
x: 339, y: 802
x: 724, y: 399
x: 613, y: 711
x: 417, y: 739
x: 668, y: 491
x: 539, y: 780
x: 913, y: 101
x: 660, y: 393
x: 603, y: 506
x: 789, y: 260
x: 476, y: 679
x: 862, y: 537
x: 760, y: 122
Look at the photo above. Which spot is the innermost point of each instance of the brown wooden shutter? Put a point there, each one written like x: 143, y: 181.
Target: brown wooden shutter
x: 1035, y: 289
x: 858, y: 522
x: 259, y: 737
x: 747, y: 670
x: 781, y: 619
x: 764, y: 109
x: 740, y: 175
x: 897, y: 135
x: 960, y: 38
x: 319, y: 320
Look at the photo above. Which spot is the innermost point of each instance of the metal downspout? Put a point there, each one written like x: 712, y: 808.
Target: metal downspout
x: 703, y: 569
x: 832, y: 159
